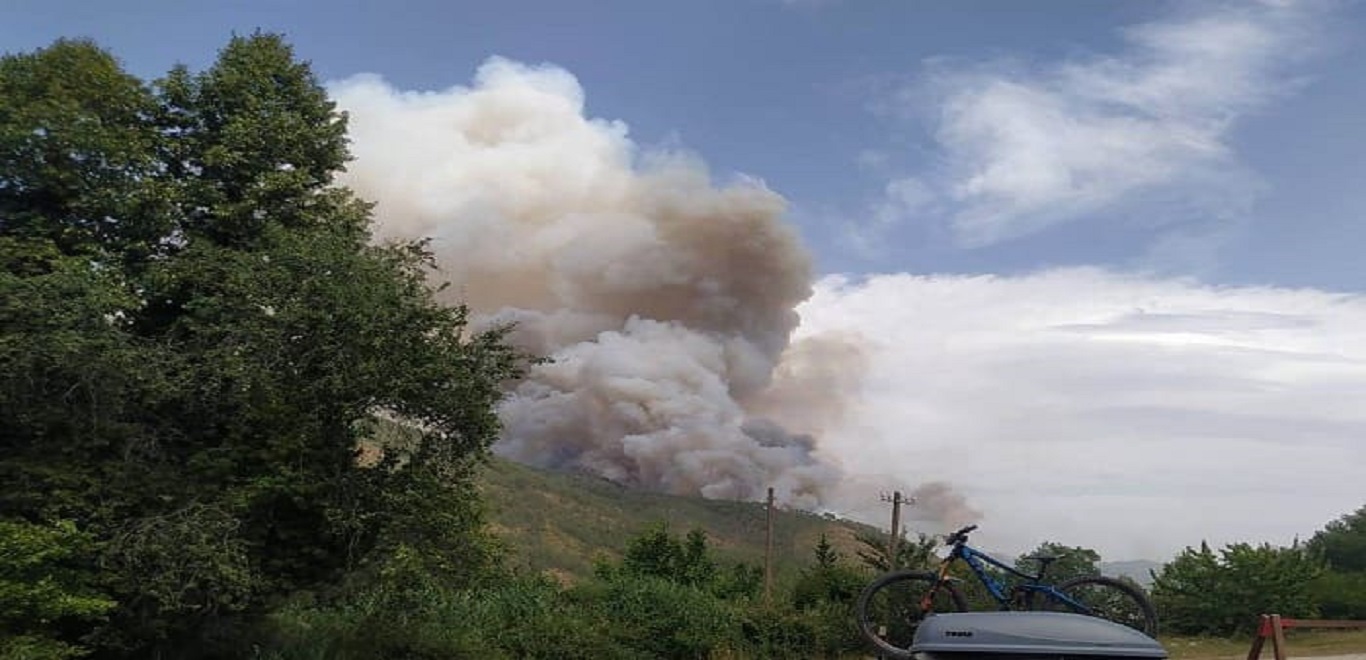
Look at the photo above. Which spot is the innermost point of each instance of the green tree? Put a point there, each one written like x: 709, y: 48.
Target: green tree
x: 657, y: 552
x: 1070, y: 562
x: 830, y: 579
x: 196, y: 335
x: 1204, y: 592
x: 1342, y: 542
x: 912, y: 554
x: 688, y: 561
x: 825, y: 554
x: 78, y: 155
x: 1341, y: 595
x: 1341, y: 590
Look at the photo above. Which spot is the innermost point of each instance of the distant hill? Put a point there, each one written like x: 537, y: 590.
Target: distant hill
x: 559, y: 522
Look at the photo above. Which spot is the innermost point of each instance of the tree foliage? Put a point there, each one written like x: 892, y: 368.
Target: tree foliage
x: 47, y: 583
x: 1341, y: 590
x: 1069, y: 562
x: 913, y: 554
x: 1342, y: 542
x: 1208, y: 592
x: 197, y: 333
x: 830, y: 579
x: 657, y: 553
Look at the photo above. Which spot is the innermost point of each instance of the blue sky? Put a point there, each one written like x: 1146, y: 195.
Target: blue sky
x: 1120, y: 236
x: 791, y: 91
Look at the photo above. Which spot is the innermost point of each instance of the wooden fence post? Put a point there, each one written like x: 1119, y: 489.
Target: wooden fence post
x: 1274, y: 626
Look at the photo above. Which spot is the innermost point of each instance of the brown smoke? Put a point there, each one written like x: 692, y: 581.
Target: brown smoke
x: 938, y: 502
x: 814, y: 384
x: 666, y: 301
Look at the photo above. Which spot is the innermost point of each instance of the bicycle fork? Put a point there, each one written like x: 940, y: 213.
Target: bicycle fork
x: 927, y: 603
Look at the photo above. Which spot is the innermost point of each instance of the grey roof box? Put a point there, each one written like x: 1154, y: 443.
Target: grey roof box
x: 1027, y: 636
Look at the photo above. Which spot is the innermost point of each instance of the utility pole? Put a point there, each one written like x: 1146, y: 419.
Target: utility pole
x: 768, y: 551
x: 894, y: 543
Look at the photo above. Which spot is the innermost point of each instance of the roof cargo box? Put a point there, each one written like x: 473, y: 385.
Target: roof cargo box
x: 1029, y: 636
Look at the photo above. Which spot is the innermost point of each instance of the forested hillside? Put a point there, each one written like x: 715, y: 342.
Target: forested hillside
x: 561, y: 522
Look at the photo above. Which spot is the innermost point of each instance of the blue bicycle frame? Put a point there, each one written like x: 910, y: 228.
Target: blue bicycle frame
x: 975, y: 560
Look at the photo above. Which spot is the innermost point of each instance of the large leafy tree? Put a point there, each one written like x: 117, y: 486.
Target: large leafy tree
x: 197, y: 335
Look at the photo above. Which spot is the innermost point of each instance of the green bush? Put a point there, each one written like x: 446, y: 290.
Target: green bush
x: 657, y: 618
x: 822, y: 630
x: 519, y: 618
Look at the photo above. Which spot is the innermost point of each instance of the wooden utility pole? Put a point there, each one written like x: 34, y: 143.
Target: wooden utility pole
x: 894, y: 543
x: 768, y: 550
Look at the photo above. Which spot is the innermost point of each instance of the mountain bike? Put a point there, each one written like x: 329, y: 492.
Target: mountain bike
x: 891, y: 607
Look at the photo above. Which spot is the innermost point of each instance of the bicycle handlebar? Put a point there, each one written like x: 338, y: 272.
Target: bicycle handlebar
x: 959, y: 536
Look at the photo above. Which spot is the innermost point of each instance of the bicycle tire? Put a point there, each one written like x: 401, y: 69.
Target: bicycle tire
x: 888, y: 609
x: 1106, y: 598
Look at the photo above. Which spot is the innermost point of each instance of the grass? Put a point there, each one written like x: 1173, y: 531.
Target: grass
x: 1299, y: 644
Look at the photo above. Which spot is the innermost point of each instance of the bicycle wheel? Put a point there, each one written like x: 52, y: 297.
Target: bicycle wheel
x: 1106, y: 598
x: 890, y: 608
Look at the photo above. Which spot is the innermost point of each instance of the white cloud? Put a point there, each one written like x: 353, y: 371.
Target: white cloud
x: 1129, y: 414
x: 1027, y: 147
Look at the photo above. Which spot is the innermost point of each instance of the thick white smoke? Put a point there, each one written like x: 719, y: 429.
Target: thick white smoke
x: 666, y: 301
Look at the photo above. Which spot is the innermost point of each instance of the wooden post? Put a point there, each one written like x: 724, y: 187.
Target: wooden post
x: 894, y: 543
x: 1277, y: 637
x: 768, y: 551
x: 1274, y: 626
x: 1263, y: 629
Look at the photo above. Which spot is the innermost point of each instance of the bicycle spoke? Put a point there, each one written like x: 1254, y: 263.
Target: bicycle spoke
x: 891, y: 609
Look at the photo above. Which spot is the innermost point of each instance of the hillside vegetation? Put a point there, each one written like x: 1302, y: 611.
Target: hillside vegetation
x: 559, y: 522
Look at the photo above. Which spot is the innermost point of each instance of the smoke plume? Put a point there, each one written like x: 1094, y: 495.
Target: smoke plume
x: 666, y: 301
x: 938, y: 502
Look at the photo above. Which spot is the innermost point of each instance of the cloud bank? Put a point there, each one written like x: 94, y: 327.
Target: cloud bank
x: 1131, y: 414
